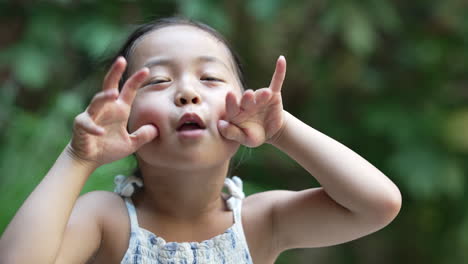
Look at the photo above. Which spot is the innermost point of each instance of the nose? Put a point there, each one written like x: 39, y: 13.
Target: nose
x: 187, y: 95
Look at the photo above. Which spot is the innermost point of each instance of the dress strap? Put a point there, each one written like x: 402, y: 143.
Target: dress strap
x: 234, y: 186
x: 126, y: 186
x: 132, y: 214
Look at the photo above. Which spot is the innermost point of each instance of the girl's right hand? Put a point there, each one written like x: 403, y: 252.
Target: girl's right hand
x: 100, y: 133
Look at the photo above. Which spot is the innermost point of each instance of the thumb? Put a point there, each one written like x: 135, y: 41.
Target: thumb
x: 231, y: 131
x: 143, y: 135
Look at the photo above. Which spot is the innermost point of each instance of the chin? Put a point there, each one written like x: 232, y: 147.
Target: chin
x: 190, y: 158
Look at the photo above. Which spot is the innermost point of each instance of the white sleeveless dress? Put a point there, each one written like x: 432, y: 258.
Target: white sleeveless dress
x: 229, y: 247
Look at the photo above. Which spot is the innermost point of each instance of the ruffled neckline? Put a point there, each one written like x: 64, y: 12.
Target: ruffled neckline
x: 162, y: 244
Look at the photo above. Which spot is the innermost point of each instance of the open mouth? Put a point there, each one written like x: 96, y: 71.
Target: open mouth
x: 189, y: 126
x: 190, y: 121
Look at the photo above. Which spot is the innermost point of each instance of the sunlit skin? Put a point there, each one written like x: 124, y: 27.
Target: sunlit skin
x: 175, y: 73
x: 168, y: 80
x: 195, y: 168
x: 182, y: 81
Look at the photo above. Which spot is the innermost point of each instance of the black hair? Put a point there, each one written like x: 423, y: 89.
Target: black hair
x: 146, y: 28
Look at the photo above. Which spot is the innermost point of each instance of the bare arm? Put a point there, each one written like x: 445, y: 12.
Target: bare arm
x: 355, y: 199
x: 100, y: 136
x: 35, y: 233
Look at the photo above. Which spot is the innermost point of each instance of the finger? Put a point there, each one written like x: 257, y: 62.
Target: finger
x: 231, y: 131
x: 83, y: 121
x: 248, y: 100
x: 100, y: 99
x: 279, y: 75
x: 232, y: 108
x: 143, y: 135
x: 262, y: 96
x: 113, y: 76
x: 132, y: 84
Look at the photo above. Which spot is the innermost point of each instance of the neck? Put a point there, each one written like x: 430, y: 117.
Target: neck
x: 181, y: 193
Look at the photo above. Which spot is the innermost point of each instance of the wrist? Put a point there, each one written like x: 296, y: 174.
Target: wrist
x: 87, y: 164
x: 278, y: 137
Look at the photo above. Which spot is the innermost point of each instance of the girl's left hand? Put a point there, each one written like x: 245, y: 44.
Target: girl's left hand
x: 258, y: 117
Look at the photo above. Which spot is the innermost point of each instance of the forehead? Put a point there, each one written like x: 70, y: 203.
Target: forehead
x: 180, y: 43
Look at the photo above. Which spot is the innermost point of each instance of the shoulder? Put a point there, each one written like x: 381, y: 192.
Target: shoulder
x: 97, y: 206
x: 93, y: 197
x: 257, y: 219
x: 263, y: 204
x: 93, y: 216
x: 257, y: 216
x: 266, y: 215
x: 102, y: 204
x: 111, y: 213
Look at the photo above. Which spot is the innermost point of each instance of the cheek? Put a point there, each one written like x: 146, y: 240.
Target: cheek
x: 219, y: 102
x: 144, y: 111
x: 221, y: 110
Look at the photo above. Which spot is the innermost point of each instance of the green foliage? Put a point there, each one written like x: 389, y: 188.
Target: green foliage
x: 386, y: 78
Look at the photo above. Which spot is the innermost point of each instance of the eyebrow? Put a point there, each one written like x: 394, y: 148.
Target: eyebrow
x: 159, y: 61
x: 163, y: 61
x: 212, y: 59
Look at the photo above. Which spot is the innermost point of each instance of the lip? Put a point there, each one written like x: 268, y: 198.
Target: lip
x: 191, y: 134
x: 190, y: 118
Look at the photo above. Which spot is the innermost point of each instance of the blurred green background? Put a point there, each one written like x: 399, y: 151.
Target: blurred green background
x: 386, y: 78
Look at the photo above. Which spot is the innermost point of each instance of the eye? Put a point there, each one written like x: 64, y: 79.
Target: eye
x: 157, y: 81
x: 211, y: 79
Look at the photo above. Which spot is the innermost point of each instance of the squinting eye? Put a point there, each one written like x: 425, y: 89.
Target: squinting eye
x: 211, y: 79
x: 157, y: 81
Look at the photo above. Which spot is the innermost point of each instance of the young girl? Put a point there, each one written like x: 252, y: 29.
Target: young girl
x: 183, y: 110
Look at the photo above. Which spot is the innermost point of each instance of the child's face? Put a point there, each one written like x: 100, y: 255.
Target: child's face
x: 190, y: 74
